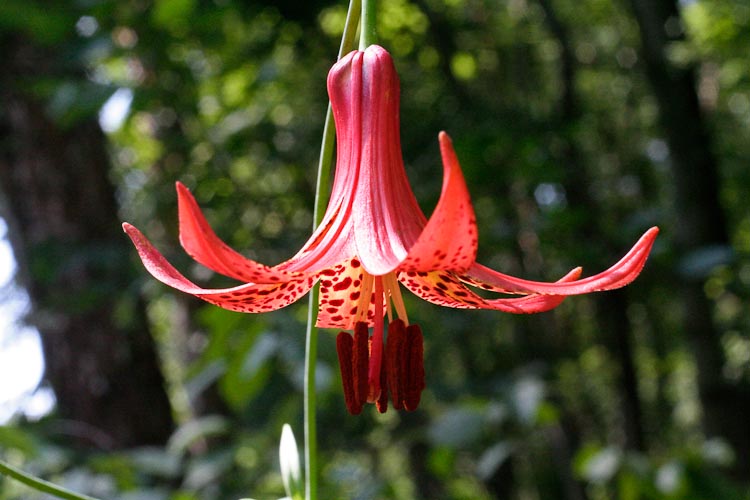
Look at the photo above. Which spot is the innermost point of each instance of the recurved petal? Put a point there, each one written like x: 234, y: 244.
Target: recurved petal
x: 535, y: 303
x: 250, y: 297
x: 619, y: 275
x: 201, y: 243
x: 256, y: 298
x: 440, y: 287
x: 449, y: 240
x: 447, y: 289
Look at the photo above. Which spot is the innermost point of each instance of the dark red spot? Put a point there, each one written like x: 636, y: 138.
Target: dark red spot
x: 343, y: 285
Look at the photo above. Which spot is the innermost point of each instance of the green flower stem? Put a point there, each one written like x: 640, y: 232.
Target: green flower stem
x: 311, y: 335
x: 40, y: 484
x: 311, y: 438
x: 368, y: 34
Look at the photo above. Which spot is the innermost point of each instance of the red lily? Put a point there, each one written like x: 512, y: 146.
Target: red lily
x: 373, y: 236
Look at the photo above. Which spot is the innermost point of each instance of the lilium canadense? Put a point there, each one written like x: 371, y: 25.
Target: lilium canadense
x: 372, y: 237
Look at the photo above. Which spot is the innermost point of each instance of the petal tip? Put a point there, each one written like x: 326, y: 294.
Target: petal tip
x: 130, y: 230
x: 648, y: 238
x: 574, y: 274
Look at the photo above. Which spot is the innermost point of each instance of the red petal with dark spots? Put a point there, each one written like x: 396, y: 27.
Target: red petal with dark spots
x: 446, y: 289
x: 201, y: 243
x: 449, y: 240
x: 250, y: 297
x: 340, y: 294
x: 619, y: 275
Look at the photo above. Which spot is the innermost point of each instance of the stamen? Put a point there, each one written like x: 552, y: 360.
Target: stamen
x: 363, y: 304
x: 388, y: 308
x: 360, y: 361
x: 394, y: 291
x: 344, y: 344
x: 414, y: 354
x: 371, y: 367
x: 394, y: 362
x: 376, y: 353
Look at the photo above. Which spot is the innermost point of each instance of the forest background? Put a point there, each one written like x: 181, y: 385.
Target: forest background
x: 579, y: 124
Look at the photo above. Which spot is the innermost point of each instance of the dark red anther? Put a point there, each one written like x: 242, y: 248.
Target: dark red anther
x: 394, y: 361
x: 401, y: 372
x: 360, y: 362
x: 414, y: 382
x: 344, y: 344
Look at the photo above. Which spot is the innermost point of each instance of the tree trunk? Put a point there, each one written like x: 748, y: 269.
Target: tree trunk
x: 701, y: 223
x: 76, y: 265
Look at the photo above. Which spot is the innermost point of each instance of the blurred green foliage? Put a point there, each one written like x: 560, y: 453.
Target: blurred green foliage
x: 229, y: 98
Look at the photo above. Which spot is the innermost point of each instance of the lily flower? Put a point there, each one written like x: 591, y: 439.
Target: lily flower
x: 373, y: 239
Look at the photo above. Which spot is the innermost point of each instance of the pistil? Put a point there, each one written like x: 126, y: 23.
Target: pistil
x: 376, y: 350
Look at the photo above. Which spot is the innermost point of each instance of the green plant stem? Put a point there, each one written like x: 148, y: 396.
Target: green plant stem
x: 311, y: 439
x: 368, y: 34
x: 311, y: 334
x: 40, y: 484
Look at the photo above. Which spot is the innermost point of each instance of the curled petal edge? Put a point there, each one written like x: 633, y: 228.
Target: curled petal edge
x: 448, y: 290
x: 202, y: 244
x: 249, y: 297
x: 456, y: 249
x: 535, y: 303
x: 617, y: 276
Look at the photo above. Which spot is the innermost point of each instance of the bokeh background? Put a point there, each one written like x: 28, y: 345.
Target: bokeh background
x: 579, y: 124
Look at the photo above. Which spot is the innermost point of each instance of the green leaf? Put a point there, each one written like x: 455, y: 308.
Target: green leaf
x: 249, y: 369
x: 173, y: 14
x: 191, y: 432
x: 45, y: 25
x: 15, y: 438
